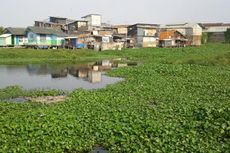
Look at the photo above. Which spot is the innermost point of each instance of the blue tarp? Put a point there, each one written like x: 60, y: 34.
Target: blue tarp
x: 80, y: 46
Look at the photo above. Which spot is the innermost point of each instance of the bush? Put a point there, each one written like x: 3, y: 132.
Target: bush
x: 227, y: 36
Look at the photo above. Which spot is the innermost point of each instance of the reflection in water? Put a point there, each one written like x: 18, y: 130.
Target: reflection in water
x: 64, y: 77
x: 85, y: 72
x: 79, y: 72
x: 62, y: 73
x: 94, y: 76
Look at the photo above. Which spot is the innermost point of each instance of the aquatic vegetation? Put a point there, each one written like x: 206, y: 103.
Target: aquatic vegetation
x: 16, y: 91
x: 163, y: 105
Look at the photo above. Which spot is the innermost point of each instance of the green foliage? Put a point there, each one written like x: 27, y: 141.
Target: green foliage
x: 164, y: 105
x: 210, y: 34
x: 1, y: 30
x: 16, y: 91
x: 204, y: 38
x: 221, y: 59
x: 227, y: 36
x: 24, y: 56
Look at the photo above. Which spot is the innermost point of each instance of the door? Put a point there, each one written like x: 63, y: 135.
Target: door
x: 12, y: 40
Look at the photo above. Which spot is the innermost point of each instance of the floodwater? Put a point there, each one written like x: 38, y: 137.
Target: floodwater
x: 63, y: 77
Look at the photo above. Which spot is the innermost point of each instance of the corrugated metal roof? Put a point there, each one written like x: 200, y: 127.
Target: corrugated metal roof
x: 120, y: 26
x: 57, y: 17
x: 177, y: 25
x: 75, y: 21
x: 68, y: 21
x: 145, y: 25
x: 48, y: 22
x: 90, y: 15
x: 5, y: 35
x: 185, y: 25
x: 48, y: 31
x: 169, y: 34
x: 211, y: 24
x: 214, y: 24
x: 15, y: 31
x: 226, y: 24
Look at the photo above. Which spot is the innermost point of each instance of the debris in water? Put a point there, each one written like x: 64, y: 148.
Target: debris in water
x: 48, y: 99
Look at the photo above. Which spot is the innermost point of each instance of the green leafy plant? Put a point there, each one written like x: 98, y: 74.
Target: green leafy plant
x: 163, y: 105
x: 227, y: 36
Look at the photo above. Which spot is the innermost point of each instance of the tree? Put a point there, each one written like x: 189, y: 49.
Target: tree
x: 204, y: 38
x: 227, y: 36
x: 1, y: 30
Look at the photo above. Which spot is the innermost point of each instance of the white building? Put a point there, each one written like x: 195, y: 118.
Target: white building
x: 94, y: 21
x: 215, y: 27
x: 215, y: 31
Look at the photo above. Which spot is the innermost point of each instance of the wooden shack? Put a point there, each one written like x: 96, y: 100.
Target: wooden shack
x: 16, y: 36
x: 172, y: 38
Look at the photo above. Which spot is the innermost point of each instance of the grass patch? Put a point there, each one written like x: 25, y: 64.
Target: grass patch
x: 25, y: 56
x: 16, y: 91
x: 221, y: 59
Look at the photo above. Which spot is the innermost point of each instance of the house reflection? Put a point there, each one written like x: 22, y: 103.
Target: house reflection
x: 94, y: 76
x: 59, y: 73
x: 103, y: 65
x: 39, y: 69
x: 80, y: 72
x: 90, y: 72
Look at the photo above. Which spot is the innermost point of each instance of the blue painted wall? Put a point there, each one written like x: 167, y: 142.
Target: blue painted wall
x: 16, y: 40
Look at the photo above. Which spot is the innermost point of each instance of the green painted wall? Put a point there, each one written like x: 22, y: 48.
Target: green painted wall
x: 2, y: 42
x: 49, y: 40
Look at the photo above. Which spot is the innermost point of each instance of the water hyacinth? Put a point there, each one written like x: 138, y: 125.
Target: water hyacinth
x: 166, y: 104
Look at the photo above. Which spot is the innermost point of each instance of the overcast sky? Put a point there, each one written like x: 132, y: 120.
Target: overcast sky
x: 23, y: 12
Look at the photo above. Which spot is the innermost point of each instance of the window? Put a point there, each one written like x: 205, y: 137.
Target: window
x: 20, y: 38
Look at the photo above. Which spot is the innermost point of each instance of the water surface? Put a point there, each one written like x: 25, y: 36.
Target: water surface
x: 63, y: 77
